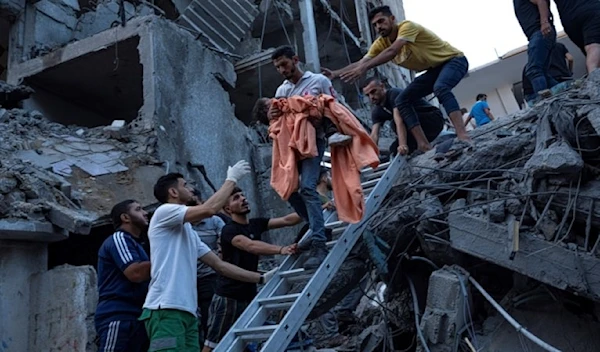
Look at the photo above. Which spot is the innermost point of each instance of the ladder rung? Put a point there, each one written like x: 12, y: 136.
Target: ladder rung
x: 379, y: 168
x: 300, y: 278
x: 278, y: 306
x: 279, y: 299
x: 293, y: 272
x: 339, y: 230
x: 373, y: 175
x: 331, y: 243
x: 265, y: 329
x: 334, y: 224
x: 370, y: 184
x: 255, y: 337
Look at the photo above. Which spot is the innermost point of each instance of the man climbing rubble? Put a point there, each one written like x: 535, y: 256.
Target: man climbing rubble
x: 537, y: 23
x: 123, y: 277
x: 241, y: 243
x: 294, y: 143
x: 306, y: 201
x: 170, y: 309
x: 414, y: 47
x: 581, y: 21
x: 424, y: 129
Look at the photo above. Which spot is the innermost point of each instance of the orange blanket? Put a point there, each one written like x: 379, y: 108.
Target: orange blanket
x: 294, y: 139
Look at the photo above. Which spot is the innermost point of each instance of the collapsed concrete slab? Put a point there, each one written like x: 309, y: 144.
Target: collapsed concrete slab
x: 552, y: 263
x: 27, y: 230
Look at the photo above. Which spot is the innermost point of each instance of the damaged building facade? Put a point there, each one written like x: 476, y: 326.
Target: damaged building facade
x: 102, y: 98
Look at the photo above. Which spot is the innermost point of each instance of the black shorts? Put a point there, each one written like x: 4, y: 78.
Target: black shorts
x: 582, y: 25
x: 223, y: 312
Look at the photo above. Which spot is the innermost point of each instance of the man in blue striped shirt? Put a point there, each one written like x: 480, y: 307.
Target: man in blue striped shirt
x: 123, y: 277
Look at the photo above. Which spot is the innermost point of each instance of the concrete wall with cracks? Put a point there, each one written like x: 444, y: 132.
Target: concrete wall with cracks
x: 18, y: 262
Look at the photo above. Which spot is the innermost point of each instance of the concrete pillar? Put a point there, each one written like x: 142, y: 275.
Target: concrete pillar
x: 445, y: 312
x: 309, y: 36
x: 507, y: 96
x: 364, y: 26
x: 62, y: 309
x: 18, y: 261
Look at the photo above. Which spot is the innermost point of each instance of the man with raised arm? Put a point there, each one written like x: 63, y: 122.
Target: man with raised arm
x: 170, y: 310
x: 410, y: 45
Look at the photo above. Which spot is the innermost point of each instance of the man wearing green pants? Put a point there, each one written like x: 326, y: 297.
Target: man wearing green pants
x: 171, y: 304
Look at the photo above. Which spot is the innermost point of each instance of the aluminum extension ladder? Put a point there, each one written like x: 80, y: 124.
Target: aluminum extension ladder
x: 275, y: 296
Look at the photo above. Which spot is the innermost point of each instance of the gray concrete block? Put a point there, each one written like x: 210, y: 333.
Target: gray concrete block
x: 20, y: 260
x: 58, y: 13
x: 445, y: 311
x: 558, y: 159
x: 538, y: 259
x: 28, y: 230
x: 63, y: 303
x: 7, y: 184
x: 76, y: 221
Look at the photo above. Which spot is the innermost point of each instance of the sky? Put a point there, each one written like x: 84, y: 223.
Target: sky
x: 482, y: 29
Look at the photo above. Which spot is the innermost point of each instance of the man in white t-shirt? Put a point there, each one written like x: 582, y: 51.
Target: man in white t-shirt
x: 170, y: 309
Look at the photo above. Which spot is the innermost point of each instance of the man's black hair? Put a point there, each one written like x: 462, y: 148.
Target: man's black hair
x: 384, y: 10
x: 284, y: 50
x: 161, y: 187
x: 118, y: 210
x: 236, y: 190
x: 368, y: 81
x: 464, y: 111
x: 260, y: 111
x: 480, y: 95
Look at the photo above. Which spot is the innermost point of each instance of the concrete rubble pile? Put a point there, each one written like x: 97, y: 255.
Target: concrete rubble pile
x: 518, y: 211
x: 53, y: 173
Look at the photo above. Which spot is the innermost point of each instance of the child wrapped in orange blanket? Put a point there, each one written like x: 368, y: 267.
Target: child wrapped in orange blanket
x: 294, y: 139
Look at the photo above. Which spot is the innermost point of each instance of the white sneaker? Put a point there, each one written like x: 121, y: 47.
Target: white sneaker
x: 339, y: 140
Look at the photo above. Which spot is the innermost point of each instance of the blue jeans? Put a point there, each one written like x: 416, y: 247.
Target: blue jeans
x: 438, y: 80
x: 539, y: 51
x: 306, y: 202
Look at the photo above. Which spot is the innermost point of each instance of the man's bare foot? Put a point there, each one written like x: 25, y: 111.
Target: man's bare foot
x: 424, y: 147
x: 463, y: 137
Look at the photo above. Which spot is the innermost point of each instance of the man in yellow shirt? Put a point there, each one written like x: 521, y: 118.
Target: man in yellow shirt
x: 414, y: 47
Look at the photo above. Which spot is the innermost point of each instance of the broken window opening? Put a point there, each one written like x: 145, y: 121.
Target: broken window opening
x: 4, y: 31
x: 93, y: 89
x: 82, y: 249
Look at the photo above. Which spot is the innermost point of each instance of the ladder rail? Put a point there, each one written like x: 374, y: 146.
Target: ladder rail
x: 256, y: 313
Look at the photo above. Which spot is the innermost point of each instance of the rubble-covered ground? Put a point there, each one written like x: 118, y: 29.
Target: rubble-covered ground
x: 519, y: 210
x: 69, y: 176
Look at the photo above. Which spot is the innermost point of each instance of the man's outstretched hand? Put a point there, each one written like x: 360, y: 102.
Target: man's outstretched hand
x: 237, y: 171
x: 354, y: 74
x: 328, y: 73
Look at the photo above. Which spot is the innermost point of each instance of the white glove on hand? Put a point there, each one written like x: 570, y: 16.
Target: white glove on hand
x: 264, y: 278
x: 237, y: 171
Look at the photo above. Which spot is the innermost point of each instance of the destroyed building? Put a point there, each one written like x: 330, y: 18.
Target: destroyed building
x: 104, y: 97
